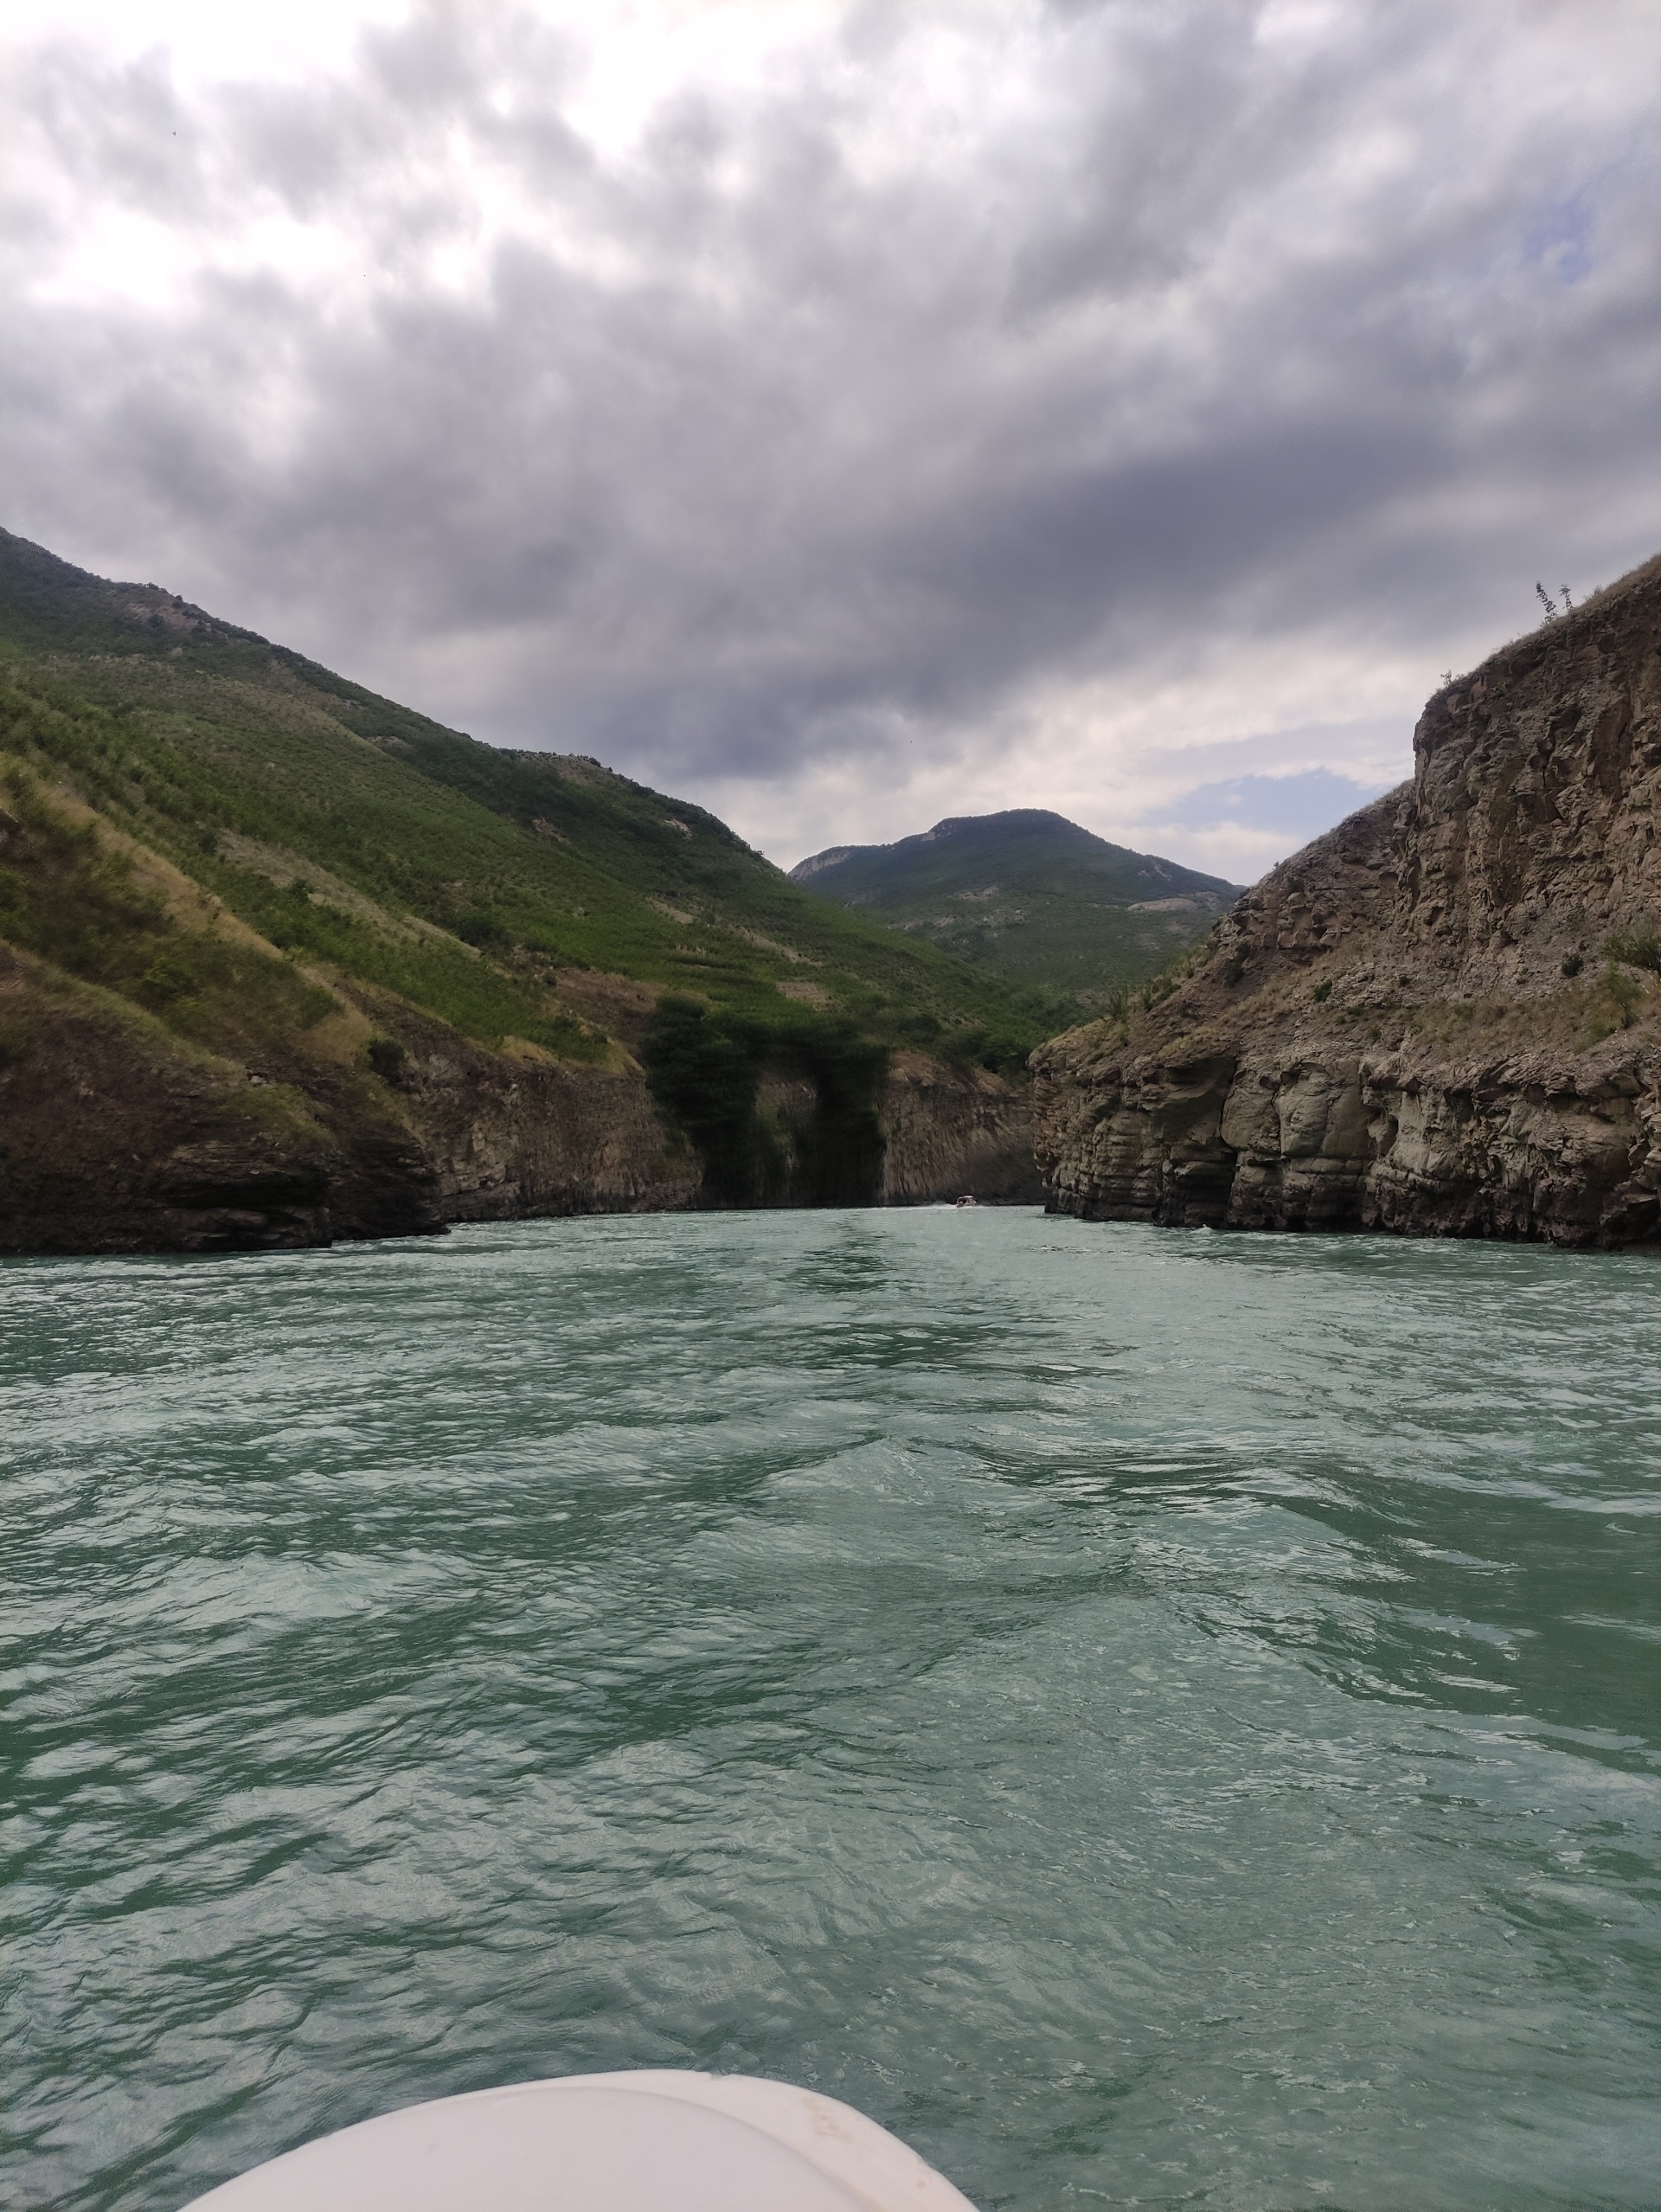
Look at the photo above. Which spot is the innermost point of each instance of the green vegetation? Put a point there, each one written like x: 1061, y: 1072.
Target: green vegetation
x: 387, y: 1057
x: 1125, y: 1001
x: 1624, y: 996
x: 1031, y: 897
x: 1635, y: 951
x: 65, y: 896
x: 705, y: 1070
x: 505, y: 894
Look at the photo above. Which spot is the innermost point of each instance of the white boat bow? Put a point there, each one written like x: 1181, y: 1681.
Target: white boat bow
x: 646, y: 2142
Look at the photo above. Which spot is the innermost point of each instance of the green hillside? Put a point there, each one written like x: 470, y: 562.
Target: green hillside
x: 282, y: 961
x: 515, y: 896
x: 1029, y: 895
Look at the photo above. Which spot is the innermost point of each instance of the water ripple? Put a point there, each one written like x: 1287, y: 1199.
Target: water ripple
x: 1156, y: 1719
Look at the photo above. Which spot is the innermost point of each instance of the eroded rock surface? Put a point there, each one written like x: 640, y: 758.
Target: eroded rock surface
x: 510, y: 1139
x: 953, y: 1130
x: 1441, y: 1018
x: 117, y: 1136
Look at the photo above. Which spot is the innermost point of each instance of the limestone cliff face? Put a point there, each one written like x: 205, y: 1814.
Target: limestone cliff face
x: 507, y: 1139
x: 511, y: 1138
x: 953, y: 1130
x: 1439, y: 1019
x: 117, y: 1135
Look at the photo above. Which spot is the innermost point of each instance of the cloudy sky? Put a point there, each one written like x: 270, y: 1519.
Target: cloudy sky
x: 851, y: 414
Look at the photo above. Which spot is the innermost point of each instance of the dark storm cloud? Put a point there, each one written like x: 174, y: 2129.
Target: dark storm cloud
x: 780, y: 434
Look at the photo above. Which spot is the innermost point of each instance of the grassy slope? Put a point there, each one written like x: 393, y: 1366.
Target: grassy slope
x: 496, y: 890
x: 1030, y: 896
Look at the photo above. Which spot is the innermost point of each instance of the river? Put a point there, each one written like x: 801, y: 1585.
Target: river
x: 1155, y: 1718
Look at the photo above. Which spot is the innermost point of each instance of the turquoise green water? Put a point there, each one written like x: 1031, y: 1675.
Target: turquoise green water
x: 1157, y: 1719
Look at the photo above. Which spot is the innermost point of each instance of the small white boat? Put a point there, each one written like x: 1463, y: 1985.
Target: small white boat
x: 645, y: 2142
x: 968, y: 1199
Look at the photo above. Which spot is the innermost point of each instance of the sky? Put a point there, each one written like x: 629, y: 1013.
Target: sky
x: 846, y: 415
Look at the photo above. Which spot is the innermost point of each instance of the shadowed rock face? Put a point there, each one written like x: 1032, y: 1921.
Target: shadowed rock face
x: 955, y: 1130
x: 1441, y: 1018
x: 117, y: 1136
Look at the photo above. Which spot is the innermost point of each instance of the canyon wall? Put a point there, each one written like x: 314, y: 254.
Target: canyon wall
x: 117, y: 1135
x: 1441, y: 1018
x: 954, y: 1130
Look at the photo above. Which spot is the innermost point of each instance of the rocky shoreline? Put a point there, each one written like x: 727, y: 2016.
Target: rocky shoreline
x: 117, y: 1136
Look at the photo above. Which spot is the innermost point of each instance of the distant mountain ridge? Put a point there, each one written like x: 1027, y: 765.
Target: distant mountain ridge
x: 1029, y: 895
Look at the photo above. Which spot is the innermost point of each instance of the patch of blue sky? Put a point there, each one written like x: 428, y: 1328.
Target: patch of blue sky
x: 1299, y: 807
x: 1560, y: 236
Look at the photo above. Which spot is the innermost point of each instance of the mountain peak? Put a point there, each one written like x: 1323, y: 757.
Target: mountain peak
x: 1028, y: 893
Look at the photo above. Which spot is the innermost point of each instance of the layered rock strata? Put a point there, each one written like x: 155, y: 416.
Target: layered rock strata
x: 1441, y: 1018
x: 510, y: 1137
x: 952, y: 1131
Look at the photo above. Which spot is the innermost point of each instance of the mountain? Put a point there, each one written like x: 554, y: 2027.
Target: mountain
x: 1442, y: 1018
x: 282, y: 960
x: 1030, y: 896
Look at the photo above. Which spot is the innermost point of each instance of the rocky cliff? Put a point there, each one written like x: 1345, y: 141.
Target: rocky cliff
x: 116, y: 1134
x: 956, y: 1130
x: 1439, y: 1019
